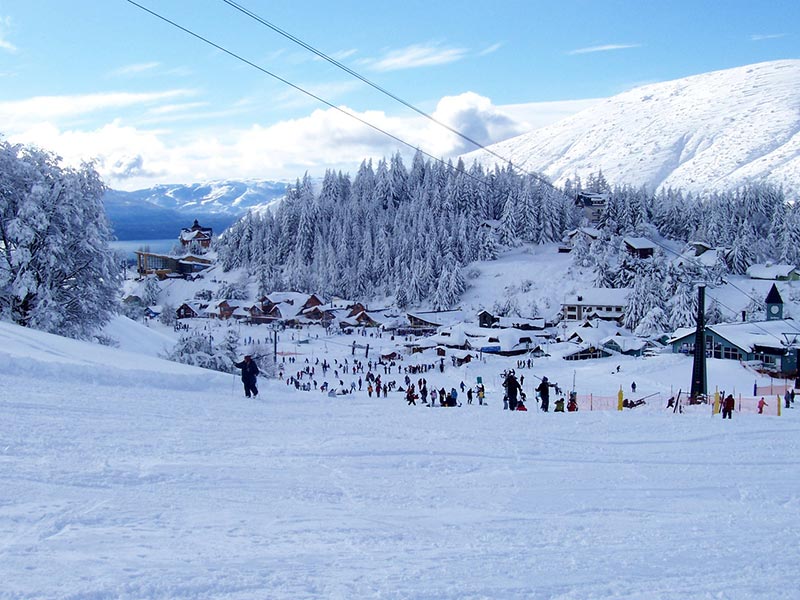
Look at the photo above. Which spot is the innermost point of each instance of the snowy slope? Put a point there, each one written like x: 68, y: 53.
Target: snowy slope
x: 158, y: 480
x: 712, y: 131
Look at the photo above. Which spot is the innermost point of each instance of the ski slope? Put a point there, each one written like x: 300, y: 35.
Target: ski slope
x: 124, y: 476
x: 709, y: 132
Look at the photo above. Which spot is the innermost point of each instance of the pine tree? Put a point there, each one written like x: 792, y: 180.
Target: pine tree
x: 57, y: 271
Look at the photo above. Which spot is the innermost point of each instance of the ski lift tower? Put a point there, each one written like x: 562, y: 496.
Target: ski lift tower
x: 699, y: 389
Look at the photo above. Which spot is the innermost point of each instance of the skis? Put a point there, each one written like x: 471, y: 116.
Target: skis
x: 677, y: 402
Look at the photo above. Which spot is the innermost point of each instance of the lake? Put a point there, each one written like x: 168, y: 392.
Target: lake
x: 162, y: 246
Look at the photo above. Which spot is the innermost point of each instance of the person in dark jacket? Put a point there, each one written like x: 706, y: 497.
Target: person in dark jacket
x: 512, y: 389
x: 249, y: 373
x: 544, y: 393
x: 727, y: 406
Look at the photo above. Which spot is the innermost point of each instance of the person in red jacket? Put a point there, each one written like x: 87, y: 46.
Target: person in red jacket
x: 761, y: 404
x: 727, y: 406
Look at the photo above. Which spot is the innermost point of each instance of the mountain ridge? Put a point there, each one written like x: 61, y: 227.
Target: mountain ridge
x: 707, y: 132
x: 160, y: 211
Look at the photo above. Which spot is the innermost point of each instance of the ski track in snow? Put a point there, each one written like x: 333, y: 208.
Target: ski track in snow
x: 137, y: 491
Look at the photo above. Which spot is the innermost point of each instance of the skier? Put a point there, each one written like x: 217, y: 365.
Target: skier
x: 469, y: 397
x: 512, y: 388
x: 249, y: 373
x: 633, y: 387
x: 761, y: 404
x: 411, y: 397
x: 544, y: 392
x: 727, y: 406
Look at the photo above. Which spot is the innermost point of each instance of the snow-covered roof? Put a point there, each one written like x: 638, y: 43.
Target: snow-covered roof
x: 599, y: 297
x: 594, y: 332
x: 769, y: 271
x: 626, y: 343
x: 440, y: 317
x: 639, y: 243
x: 748, y: 335
x: 296, y: 298
x: 519, y: 321
x: 592, y: 232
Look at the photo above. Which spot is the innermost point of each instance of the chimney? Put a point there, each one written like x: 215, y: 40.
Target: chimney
x: 580, y: 298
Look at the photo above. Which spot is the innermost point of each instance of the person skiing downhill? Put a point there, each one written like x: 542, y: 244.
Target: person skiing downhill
x: 249, y: 373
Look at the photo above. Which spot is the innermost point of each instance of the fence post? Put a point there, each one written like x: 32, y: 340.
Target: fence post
x: 591, y: 404
x: 619, y: 398
x: 779, y: 406
x: 715, y: 410
x: 740, y: 403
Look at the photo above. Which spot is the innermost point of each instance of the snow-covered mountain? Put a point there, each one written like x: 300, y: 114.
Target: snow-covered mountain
x: 707, y: 132
x: 160, y: 211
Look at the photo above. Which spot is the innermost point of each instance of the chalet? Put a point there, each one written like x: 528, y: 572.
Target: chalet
x: 588, y: 353
x: 196, y: 234
x: 508, y: 342
x: 487, y: 319
x: 773, y: 343
x: 429, y: 321
x: 190, y: 310
x: 362, y: 319
x: 461, y: 357
x: 700, y: 254
x: 773, y: 272
x: 165, y: 266
x: 593, y: 205
x: 602, y: 303
x: 639, y: 247
x: 626, y: 344
x: 590, y: 234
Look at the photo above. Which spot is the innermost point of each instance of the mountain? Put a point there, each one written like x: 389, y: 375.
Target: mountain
x: 707, y: 132
x: 161, y: 211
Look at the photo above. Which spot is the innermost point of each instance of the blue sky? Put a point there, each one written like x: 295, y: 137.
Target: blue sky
x: 104, y: 80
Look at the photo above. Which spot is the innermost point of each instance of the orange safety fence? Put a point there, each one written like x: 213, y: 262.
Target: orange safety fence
x: 777, y: 387
x: 749, y: 404
x: 592, y: 402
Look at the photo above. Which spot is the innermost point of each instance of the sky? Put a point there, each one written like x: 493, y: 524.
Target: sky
x: 149, y: 103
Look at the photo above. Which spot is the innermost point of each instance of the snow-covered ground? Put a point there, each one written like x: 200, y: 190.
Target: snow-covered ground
x: 713, y: 131
x: 123, y: 476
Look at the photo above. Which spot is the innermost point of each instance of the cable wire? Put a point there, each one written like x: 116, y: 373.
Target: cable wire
x: 304, y: 91
x: 378, y: 87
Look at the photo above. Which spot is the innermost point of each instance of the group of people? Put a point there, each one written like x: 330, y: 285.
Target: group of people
x: 514, y: 397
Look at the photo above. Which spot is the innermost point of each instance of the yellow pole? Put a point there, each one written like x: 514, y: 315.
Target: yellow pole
x: 779, y: 406
x: 716, y: 402
x: 619, y: 398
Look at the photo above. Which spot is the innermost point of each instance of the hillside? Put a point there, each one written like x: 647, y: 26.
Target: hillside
x: 129, y: 477
x: 160, y: 211
x: 707, y: 132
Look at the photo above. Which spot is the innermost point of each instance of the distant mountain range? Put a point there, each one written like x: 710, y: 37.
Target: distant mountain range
x: 160, y: 212
x: 702, y: 133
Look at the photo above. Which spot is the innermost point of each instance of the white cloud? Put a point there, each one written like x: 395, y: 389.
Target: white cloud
x: 135, y: 69
x: 22, y: 113
x: 131, y: 157
x: 603, y: 48
x: 414, y: 56
x: 5, y: 44
x: 490, y: 49
x: 758, y: 37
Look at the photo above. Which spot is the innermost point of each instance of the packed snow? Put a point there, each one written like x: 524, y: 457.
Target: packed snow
x: 127, y: 476
x: 714, y: 131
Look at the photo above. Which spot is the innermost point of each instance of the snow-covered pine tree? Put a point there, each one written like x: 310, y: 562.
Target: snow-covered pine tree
x: 151, y: 290
x: 653, y: 323
x: 57, y: 271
